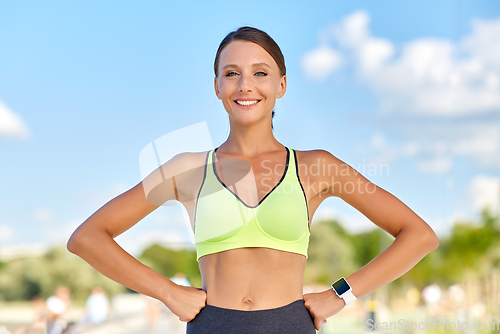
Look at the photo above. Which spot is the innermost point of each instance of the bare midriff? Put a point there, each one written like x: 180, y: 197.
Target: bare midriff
x: 252, y: 278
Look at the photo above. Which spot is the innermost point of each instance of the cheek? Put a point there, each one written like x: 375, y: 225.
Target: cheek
x: 226, y: 88
x: 270, y: 87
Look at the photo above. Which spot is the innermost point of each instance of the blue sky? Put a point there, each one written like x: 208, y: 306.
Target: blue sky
x: 85, y: 86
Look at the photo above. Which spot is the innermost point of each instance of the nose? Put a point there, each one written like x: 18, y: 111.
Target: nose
x: 245, y: 84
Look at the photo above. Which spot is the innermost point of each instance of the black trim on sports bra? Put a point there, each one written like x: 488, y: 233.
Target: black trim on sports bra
x: 262, y: 200
x: 305, y: 198
x: 199, y: 191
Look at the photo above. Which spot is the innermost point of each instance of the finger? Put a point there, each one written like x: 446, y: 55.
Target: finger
x: 317, y: 325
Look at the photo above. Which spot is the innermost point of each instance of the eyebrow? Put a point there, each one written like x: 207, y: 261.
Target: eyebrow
x: 254, y: 65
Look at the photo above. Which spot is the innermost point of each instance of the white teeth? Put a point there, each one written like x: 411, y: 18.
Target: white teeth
x: 247, y: 103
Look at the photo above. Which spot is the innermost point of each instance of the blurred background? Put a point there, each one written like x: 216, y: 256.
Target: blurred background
x: 407, y: 93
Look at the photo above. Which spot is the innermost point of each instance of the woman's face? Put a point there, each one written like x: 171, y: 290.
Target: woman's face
x: 248, y: 75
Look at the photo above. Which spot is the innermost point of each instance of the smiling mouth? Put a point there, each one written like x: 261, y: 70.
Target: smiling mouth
x: 247, y: 103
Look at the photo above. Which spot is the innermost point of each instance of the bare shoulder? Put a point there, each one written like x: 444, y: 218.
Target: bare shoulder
x: 324, y: 172
x: 174, y: 178
x: 319, y: 158
x: 187, y: 160
x: 188, y: 168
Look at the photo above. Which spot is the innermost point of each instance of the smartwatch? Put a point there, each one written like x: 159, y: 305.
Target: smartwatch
x: 344, y: 291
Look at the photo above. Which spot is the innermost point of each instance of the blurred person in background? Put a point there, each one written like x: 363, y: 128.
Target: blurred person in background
x: 153, y: 311
x: 97, y: 307
x: 40, y: 310
x: 39, y: 326
x: 180, y: 278
x: 57, y: 308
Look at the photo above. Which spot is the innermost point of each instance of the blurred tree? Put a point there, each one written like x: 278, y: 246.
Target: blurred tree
x: 25, y: 278
x: 369, y: 244
x: 471, y: 248
x: 330, y: 254
x: 168, y: 262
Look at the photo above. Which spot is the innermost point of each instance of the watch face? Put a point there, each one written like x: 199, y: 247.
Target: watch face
x: 341, y: 286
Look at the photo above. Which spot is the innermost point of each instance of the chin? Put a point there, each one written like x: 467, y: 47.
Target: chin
x: 247, y: 121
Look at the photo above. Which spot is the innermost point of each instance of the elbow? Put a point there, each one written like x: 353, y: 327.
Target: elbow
x: 435, y: 242
x: 73, y: 242
x: 430, y: 240
x: 78, y: 241
x: 84, y: 239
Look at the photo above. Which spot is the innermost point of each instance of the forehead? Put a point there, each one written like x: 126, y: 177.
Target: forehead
x: 241, y: 52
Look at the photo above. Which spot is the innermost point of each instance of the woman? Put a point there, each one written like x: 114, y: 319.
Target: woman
x: 252, y: 234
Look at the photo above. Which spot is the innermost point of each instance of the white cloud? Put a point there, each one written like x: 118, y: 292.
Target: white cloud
x: 353, y: 30
x: 432, y: 155
x: 7, y: 232
x: 485, y: 191
x: 320, y: 62
x: 411, y: 148
x: 374, y: 53
x: 481, y: 142
x: 11, y: 124
x: 438, y: 164
x: 451, y: 87
x: 483, y: 44
x: 434, y: 149
x: 350, y: 219
x: 431, y: 76
x: 378, y: 141
x: 384, y: 153
x: 353, y: 33
x: 44, y: 215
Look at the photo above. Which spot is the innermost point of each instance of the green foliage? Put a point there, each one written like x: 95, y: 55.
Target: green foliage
x: 168, y: 262
x: 330, y: 254
x: 25, y: 278
x: 430, y: 269
x: 369, y: 244
x: 471, y: 248
x: 333, y: 252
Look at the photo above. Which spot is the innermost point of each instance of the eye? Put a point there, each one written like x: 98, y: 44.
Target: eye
x: 228, y: 74
x: 263, y: 74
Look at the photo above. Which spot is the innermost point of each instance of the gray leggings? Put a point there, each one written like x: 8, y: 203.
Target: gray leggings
x: 293, y: 318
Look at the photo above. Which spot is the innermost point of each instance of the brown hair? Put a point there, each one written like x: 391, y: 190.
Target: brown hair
x: 258, y: 37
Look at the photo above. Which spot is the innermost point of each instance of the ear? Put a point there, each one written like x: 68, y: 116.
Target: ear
x: 216, y: 86
x: 282, y: 88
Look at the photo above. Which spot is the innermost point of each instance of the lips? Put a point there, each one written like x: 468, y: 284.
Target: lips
x: 246, y: 102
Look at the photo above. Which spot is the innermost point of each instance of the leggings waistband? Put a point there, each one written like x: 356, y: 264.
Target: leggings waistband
x: 293, y: 318
x: 280, y: 308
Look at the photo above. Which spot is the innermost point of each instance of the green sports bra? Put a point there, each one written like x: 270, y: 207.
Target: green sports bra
x: 223, y: 221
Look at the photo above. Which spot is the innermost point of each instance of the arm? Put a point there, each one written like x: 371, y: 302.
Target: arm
x: 94, y: 241
x: 414, y: 238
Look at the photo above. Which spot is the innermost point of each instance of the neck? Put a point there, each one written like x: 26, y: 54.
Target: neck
x: 250, y: 140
